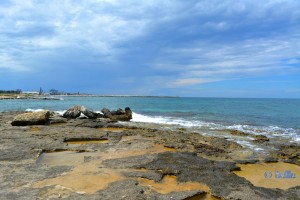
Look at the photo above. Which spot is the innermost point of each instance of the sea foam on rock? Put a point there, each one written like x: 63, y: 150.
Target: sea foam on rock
x: 75, y: 111
x: 115, y: 115
x: 32, y: 118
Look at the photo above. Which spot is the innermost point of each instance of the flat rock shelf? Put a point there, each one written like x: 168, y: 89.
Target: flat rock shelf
x: 105, y: 159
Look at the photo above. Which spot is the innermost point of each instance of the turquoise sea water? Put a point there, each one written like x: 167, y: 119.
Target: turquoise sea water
x: 278, y: 117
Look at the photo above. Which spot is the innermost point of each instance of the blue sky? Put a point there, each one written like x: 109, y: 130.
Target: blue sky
x: 213, y: 48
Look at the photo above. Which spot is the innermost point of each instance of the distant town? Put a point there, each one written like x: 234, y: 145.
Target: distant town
x: 41, y: 94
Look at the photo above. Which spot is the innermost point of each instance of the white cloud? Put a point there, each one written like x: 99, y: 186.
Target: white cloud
x: 201, y: 61
x: 6, y: 62
x: 191, y: 81
x: 97, y: 27
x: 182, y: 43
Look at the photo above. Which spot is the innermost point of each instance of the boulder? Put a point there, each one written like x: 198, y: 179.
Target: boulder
x: 118, y: 115
x: 32, y: 118
x: 76, y: 111
x: 128, y: 111
x: 106, y: 112
x: 72, y: 113
x: 90, y: 114
x: 100, y: 115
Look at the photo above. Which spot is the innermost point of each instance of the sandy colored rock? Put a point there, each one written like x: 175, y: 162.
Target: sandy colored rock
x: 33, y: 118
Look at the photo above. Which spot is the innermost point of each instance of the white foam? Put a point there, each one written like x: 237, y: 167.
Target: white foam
x: 269, y: 131
x: 168, y: 120
x: 34, y: 110
x: 61, y: 112
x: 83, y: 115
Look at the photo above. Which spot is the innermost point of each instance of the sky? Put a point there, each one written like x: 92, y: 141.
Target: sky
x: 195, y: 48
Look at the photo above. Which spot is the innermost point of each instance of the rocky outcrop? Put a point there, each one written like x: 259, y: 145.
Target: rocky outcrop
x: 287, y: 152
x: 76, y: 111
x: 238, y: 133
x: 261, y: 138
x: 140, y: 161
x: 33, y: 118
x: 90, y: 114
x: 118, y: 115
x: 72, y: 113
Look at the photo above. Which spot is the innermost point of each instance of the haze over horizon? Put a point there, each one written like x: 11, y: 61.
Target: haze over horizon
x: 207, y: 48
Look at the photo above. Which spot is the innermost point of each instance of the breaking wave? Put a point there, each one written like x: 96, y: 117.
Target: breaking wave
x: 270, y: 131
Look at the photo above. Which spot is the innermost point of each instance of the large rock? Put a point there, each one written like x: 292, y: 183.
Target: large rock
x: 106, y: 112
x: 90, y: 114
x: 33, y: 118
x: 118, y: 115
x: 72, y: 113
x: 75, y: 112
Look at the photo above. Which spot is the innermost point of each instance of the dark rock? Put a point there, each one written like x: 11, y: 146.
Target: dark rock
x: 93, y: 124
x: 292, y: 161
x: 145, y: 174
x: 120, y: 112
x: 34, y: 118
x: 118, y: 115
x: 57, y: 120
x: 208, y: 150
x: 197, y: 169
x: 239, y: 133
x: 246, y: 161
x: 289, y: 152
x: 128, y: 111
x: 99, y: 115
x: 106, y: 113
x: 271, y: 160
x: 72, y: 113
x: 224, y: 144
x: 90, y: 114
x: 76, y: 111
x: 261, y: 138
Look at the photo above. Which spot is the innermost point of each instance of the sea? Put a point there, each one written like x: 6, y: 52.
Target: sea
x: 275, y: 118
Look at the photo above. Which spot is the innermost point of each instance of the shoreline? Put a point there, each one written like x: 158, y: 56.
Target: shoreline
x: 57, y: 97
x: 132, y: 157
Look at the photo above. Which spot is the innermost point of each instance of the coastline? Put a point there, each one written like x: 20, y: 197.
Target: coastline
x: 58, y: 97
x: 57, y: 160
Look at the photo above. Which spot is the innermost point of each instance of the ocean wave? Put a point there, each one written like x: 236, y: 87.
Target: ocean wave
x: 270, y: 131
x: 169, y: 120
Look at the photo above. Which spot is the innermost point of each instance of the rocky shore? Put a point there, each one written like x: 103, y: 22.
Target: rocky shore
x: 87, y: 155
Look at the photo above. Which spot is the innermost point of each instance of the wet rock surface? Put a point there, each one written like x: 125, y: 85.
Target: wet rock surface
x: 104, y: 159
